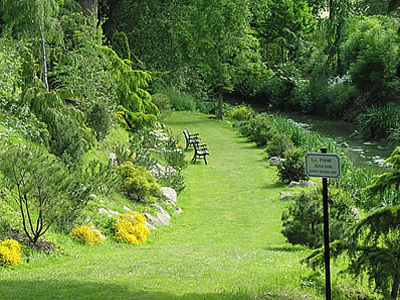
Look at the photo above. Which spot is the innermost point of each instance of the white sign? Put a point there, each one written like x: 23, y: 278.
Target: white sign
x: 325, y: 165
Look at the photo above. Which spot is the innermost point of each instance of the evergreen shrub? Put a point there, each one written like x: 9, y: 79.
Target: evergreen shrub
x: 10, y: 252
x: 99, y: 119
x: 137, y: 182
x: 131, y: 228
x: 292, y: 168
x: 278, y: 145
x: 303, y: 220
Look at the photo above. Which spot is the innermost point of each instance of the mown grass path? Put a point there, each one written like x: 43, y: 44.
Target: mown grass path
x: 226, y: 245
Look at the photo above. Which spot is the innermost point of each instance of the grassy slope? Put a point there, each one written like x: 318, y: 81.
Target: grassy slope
x: 226, y: 244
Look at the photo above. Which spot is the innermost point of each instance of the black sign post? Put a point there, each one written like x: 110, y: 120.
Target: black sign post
x: 325, y: 165
x: 326, y: 235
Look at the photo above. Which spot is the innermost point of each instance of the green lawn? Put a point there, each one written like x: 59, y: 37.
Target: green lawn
x: 226, y: 245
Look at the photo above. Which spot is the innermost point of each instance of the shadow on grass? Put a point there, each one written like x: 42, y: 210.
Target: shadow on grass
x: 276, y: 185
x: 58, y: 289
x: 287, y: 248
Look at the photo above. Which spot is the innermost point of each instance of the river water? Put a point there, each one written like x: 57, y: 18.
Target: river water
x: 362, y: 153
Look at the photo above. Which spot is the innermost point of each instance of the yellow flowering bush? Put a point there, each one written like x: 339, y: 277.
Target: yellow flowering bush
x: 10, y: 252
x: 87, y: 235
x: 131, y: 228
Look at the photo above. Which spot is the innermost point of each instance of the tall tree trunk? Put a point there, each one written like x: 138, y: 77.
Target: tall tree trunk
x: 110, y: 25
x: 90, y: 7
x: 220, y: 114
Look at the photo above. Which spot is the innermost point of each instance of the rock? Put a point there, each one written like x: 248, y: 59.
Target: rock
x: 149, y: 226
x: 273, y: 161
x: 302, y: 184
x: 127, y: 208
x: 161, y: 217
x: 169, y: 194
x: 284, y: 196
x: 109, y: 212
x: 297, y: 184
x: 178, y: 210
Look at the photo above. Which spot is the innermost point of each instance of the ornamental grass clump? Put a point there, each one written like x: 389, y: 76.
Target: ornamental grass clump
x: 87, y: 235
x: 131, y: 228
x: 10, y: 252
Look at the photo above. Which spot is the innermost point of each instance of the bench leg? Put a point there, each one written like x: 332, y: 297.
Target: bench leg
x: 205, y: 160
x: 194, y: 158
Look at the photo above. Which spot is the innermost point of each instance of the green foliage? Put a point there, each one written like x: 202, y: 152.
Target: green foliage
x: 370, y: 53
x: 38, y: 183
x: 378, y: 122
x: 292, y: 168
x: 259, y: 129
x: 183, y: 101
x: 99, y: 119
x: 303, y: 221
x: 282, y: 24
x: 137, y: 182
x: 120, y: 44
x: 67, y: 141
x: 240, y: 113
x: 163, y: 103
x: 278, y: 145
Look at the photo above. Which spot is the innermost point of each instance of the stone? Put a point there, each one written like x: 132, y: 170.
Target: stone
x: 149, y: 226
x: 297, y: 184
x: 161, y: 217
x: 178, y: 210
x: 127, y: 208
x: 169, y: 194
x: 285, y: 196
x: 273, y: 161
x: 109, y: 212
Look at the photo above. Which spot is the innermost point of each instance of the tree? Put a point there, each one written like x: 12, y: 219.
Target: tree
x: 90, y: 7
x: 282, y: 24
x: 218, y: 34
x: 37, y: 182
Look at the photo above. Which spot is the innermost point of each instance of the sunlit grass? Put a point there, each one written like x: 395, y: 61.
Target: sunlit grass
x: 227, y: 244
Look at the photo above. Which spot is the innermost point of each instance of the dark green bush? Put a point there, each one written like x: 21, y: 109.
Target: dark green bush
x: 99, y: 119
x: 259, y: 129
x: 278, y: 145
x: 292, y: 168
x: 303, y: 220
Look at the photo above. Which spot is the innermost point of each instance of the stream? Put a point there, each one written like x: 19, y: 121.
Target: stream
x: 362, y: 153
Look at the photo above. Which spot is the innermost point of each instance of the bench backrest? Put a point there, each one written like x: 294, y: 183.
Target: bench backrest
x: 186, y: 133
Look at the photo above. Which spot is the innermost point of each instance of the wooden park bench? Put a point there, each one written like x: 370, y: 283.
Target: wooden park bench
x: 200, y: 151
x: 191, y: 139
